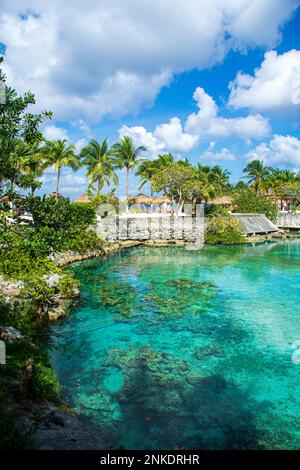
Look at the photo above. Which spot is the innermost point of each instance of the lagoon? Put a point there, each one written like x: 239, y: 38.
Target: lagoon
x: 175, y: 349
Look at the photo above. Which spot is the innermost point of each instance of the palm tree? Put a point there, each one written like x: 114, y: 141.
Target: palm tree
x: 203, y: 176
x: 18, y: 152
x: 257, y: 175
x: 58, y: 153
x: 98, y: 159
x: 145, y: 171
x: 282, y: 183
x: 219, y: 179
x: 127, y: 156
x: 164, y: 160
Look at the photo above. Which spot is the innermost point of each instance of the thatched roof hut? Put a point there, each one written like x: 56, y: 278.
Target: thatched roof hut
x: 113, y: 198
x: 139, y: 199
x: 161, y: 200
x: 53, y: 196
x: 144, y: 199
x: 83, y: 198
x: 221, y: 201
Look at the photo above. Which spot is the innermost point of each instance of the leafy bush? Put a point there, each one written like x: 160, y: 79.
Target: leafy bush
x: 215, y: 210
x: 247, y: 201
x: 224, y: 230
x: 45, y: 382
x: 82, y: 214
x: 60, y: 214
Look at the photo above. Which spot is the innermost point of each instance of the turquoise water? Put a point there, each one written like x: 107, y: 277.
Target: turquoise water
x: 169, y: 348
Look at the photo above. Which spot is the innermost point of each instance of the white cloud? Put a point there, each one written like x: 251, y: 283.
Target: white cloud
x: 274, y: 86
x: 141, y: 136
x: 281, y: 151
x: 207, y: 121
x: 222, y: 155
x: 85, y: 59
x: 82, y: 125
x: 175, y: 137
x: 70, y: 183
x: 55, y: 133
x: 80, y: 143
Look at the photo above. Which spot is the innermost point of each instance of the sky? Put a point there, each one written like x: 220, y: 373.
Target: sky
x: 216, y: 81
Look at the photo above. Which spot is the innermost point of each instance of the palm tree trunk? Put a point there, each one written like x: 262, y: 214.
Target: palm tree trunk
x: 57, y: 183
x: 127, y: 183
x: 151, y: 190
x: 99, y: 186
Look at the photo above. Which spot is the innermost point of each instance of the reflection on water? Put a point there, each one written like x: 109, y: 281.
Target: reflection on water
x: 170, y: 348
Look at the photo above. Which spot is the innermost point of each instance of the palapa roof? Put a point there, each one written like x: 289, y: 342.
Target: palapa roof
x: 144, y: 199
x: 139, y: 199
x: 53, y: 195
x: 221, y: 201
x: 83, y: 198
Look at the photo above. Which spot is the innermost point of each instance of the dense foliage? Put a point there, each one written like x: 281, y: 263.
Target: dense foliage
x: 246, y: 201
x: 60, y: 214
x: 224, y: 229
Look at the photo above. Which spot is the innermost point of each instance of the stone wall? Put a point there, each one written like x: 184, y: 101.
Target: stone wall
x: 115, y: 228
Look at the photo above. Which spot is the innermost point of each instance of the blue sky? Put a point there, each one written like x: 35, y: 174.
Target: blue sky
x: 161, y: 73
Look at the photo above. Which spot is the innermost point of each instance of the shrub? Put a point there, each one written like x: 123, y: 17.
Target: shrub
x: 224, y: 230
x: 215, y: 210
x: 60, y: 214
x: 45, y: 382
x: 248, y: 202
x: 82, y: 214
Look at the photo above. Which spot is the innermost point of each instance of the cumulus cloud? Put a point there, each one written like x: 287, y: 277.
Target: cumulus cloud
x: 281, y: 151
x: 141, y: 136
x: 70, y: 183
x: 223, y: 155
x: 275, y: 85
x: 174, y: 137
x: 86, y: 59
x: 53, y: 132
x: 206, y: 123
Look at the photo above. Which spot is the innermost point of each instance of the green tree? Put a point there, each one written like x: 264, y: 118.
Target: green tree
x: 98, y: 159
x: 257, y: 174
x: 19, y: 129
x: 127, y: 155
x: 220, y: 180
x: 58, y: 153
x: 177, y: 181
x: 246, y: 201
x: 146, y: 171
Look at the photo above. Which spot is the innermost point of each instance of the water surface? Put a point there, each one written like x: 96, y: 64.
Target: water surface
x: 169, y: 348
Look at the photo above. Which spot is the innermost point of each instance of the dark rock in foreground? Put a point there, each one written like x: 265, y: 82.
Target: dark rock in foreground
x: 61, y: 431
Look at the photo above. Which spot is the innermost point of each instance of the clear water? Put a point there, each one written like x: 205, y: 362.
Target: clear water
x: 169, y: 348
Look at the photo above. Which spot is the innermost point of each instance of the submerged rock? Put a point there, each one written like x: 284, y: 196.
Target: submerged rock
x: 205, y: 351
